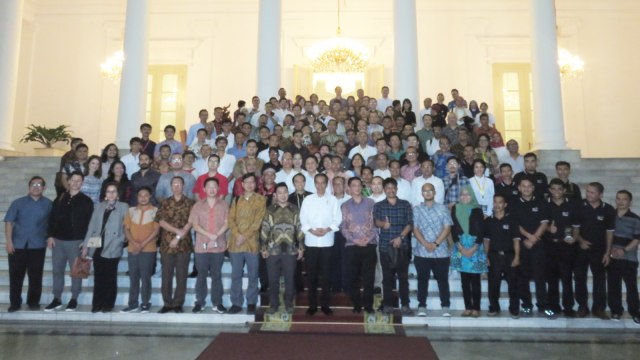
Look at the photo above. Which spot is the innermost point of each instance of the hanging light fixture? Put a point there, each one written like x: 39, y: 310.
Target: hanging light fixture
x: 339, y: 54
x: 112, y: 67
x: 571, y: 66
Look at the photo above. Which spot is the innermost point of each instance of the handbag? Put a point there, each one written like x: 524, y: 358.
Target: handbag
x: 94, y: 242
x: 81, y: 268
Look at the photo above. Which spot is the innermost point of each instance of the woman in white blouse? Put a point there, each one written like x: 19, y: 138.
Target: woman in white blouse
x: 482, y: 187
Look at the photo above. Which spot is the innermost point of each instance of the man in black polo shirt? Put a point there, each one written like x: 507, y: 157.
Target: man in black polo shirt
x: 596, y: 221
x: 560, y: 248
x: 532, y: 216
x: 530, y: 170
x: 563, y: 170
x: 507, y: 187
x: 624, y: 259
x: 502, y: 244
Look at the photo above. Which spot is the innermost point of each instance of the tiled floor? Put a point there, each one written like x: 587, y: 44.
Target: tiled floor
x: 33, y: 340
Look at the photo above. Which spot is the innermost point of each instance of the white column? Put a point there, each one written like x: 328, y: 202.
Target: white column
x: 547, y: 94
x: 10, y: 31
x: 405, y: 52
x: 268, y: 61
x: 133, y: 83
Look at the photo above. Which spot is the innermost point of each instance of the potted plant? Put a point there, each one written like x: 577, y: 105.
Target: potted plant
x: 47, y: 137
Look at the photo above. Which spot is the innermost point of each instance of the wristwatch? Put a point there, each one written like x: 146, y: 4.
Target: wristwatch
x: 437, y: 243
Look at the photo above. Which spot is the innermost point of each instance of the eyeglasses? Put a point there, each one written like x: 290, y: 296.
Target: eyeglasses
x: 37, y: 185
x: 428, y: 191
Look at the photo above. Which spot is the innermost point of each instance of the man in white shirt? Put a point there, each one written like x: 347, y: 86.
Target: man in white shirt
x: 404, y: 187
x: 274, y: 142
x: 287, y: 173
x: 319, y: 228
x: 425, y: 111
x: 427, y: 177
x: 363, y: 148
x: 282, y: 111
x: 382, y: 166
x: 132, y: 159
x: 514, y: 159
x: 203, y: 115
x: 385, y: 100
x: 227, y: 161
x: 461, y: 109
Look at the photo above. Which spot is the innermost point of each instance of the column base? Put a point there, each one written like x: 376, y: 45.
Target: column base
x: 548, y: 158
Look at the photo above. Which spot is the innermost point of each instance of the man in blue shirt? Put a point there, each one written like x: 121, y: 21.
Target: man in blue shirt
x: 394, y: 218
x: 26, y: 232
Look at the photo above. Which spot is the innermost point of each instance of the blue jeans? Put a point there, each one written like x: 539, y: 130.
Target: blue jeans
x: 238, y: 260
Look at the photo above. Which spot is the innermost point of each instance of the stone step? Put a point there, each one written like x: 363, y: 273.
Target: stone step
x: 433, y: 319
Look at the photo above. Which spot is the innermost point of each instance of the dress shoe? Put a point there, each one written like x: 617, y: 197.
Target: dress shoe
x: 251, y: 309
x: 234, y: 309
x: 96, y: 309
x: 178, y: 310
x: 312, y: 311
x: 357, y: 309
x: 600, y: 314
x: 582, y: 313
x: 13, y: 308
x: 326, y: 310
x: 165, y: 309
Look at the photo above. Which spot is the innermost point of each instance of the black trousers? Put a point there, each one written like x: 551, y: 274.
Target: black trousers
x: 501, y: 268
x: 105, y: 285
x: 362, y: 265
x: 627, y: 271
x: 318, y: 261
x: 263, y: 274
x: 532, y: 267
x: 585, y: 260
x: 281, y: 265
x: 389, y: 276
x: 339, y: 267
x: 561, y: 266
x: 470, y: 290
x: 26, y: 262
x: 440, y: 268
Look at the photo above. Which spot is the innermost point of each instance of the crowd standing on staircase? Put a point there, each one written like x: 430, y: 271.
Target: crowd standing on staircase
x: 339, y: 195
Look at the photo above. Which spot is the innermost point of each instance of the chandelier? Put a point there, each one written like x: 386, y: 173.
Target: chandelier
x: 338, y: 55
x: 571, y: 66
x: 112, y: 67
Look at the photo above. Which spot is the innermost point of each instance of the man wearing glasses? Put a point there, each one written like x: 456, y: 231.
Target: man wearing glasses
x: 26, y: 244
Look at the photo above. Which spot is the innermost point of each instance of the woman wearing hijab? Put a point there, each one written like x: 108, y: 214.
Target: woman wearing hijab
x: 468, y: 255
x: 106, y: 224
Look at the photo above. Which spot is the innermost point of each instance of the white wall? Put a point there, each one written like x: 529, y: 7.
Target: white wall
x: 64, y: 42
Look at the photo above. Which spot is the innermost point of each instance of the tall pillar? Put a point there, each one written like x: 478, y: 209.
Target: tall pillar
x: 10, y: 32
x: 547, y: 94
x: 405, y: 52
x: 133, y: 83
x: 269, y: 66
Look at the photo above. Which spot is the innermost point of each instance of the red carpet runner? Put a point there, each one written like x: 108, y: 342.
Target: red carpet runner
x: 263, y: 346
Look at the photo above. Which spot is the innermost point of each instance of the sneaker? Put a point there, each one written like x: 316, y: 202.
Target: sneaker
x: 56, y: 304
x: 466, y: 313
x: 526, y: 312
x: 13, y: 308
x: 220, y: 309
x: 615, y: 317
x: 475, y: 313
x: 406, y: 311
x: 515, y: 315
x: 422, y: 311
x: 234, y: 309
x: 72, y: 305
x: 251, y: 309
x: 197, y: 309
x: 144, y: 309
x: 493, y: 313
x: 446, y: 312
x: 550, y: 314
x: 130, y: 309
x: 636, y: 319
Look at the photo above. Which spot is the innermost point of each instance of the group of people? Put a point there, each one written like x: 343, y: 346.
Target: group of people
x: 347, y: 192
